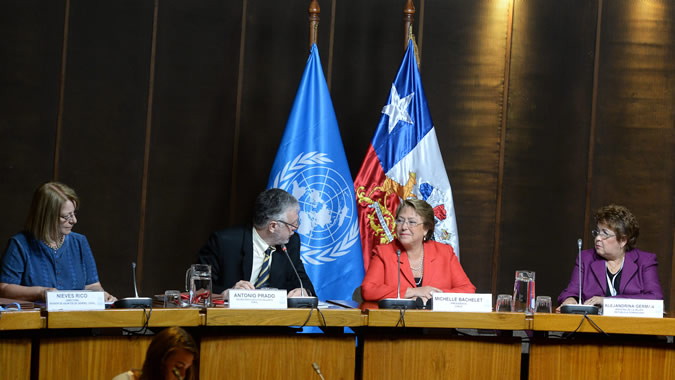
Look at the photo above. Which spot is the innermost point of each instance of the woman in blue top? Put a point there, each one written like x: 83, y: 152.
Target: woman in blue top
x: 48, y: 255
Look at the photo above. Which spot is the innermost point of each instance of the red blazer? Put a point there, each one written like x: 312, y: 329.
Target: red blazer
x: 441, y: 270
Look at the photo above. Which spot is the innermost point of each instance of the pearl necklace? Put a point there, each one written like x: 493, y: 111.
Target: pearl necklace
x: 56, y: 245
x: 420, y: 267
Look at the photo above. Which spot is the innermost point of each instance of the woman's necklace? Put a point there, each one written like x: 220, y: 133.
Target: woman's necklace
x: 419, y: 267
x: 57, y: 245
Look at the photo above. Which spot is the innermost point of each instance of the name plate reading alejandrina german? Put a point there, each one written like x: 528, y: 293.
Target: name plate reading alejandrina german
x: 627, y: 307
x: 75, y: 300
x: 466, y: 302
x: 257, y: 299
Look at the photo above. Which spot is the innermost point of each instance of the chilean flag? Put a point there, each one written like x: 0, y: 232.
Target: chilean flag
x: 403, y: 161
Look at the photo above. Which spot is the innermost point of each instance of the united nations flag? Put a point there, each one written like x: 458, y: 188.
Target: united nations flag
x: 311, y: 164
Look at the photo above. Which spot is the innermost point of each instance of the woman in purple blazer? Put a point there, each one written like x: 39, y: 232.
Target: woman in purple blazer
x: 614, y: 268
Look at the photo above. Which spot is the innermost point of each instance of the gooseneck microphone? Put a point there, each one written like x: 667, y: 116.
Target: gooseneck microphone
x: 303, y: 301
x: 133, y: 302
x: 398, y: 302
x: 580, y: 308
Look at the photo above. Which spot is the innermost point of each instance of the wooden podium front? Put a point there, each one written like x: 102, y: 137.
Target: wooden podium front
x: 270, y: 350
x: 429, y: 351
x: 15, y: 350
x: 633, y: 349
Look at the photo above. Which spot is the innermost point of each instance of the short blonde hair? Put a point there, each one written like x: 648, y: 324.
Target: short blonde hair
x: 45, y: 210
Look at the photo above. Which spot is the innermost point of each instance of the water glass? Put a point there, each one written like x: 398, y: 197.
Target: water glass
x: 503, y: 302
x: 172, y: 299
x: 198, y: 285
x: 523, y: 292
x: 543, y: 304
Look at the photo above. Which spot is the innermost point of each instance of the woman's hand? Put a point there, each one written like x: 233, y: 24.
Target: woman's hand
x: 424, y: 292
x: 595, y: 300
x: 567, y: 301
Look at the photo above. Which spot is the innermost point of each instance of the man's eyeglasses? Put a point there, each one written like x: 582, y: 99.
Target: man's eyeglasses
x: 411, y: 223
x: 290, y: 225
x: 70, y: 217
x: 604, y: 235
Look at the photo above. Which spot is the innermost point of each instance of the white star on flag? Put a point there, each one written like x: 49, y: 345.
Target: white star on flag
x: 397, y: 109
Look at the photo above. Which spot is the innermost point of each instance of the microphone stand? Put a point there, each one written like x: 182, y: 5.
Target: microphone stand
x: 303, y: 301
x: 133, y: 302
x: 580, y: 308
x: 398, y: 302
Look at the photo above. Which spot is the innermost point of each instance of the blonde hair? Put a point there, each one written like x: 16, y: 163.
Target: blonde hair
x: 45, y: 210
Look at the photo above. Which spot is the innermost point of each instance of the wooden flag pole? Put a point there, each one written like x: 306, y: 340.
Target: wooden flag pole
x: 408, y: 19
x: 313, y: 11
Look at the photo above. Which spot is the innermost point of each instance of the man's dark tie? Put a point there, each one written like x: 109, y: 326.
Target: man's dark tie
x: 264, y: 276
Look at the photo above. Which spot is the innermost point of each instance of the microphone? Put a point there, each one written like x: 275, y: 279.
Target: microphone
x: 398, y: 302
x: 580, y: 308
x: 317, y: 370
x: 133, y: 302
x: 303, y: 301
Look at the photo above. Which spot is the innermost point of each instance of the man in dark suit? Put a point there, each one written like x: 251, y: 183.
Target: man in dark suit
x: 252, y: 256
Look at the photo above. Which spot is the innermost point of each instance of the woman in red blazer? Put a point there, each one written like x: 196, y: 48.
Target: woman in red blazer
x: 426, y: 266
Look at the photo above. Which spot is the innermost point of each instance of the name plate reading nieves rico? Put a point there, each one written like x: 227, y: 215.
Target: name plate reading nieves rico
x: 626, y: 307
x: 467, y: 302
x: 75, y: 300
x: 257, y: 299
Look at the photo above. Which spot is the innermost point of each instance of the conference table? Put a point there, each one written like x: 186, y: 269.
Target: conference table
x: 385, y: 344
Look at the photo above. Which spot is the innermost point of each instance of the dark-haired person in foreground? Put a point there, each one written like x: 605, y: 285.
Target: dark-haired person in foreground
x: 614, y: 267
x: 251, y: 256
x: 48, y: 255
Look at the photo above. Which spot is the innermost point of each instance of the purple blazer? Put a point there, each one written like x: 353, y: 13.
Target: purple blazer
x: 639, y: 279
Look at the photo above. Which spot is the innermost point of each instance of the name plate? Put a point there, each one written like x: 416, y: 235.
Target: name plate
x: 257, y: 299
x: 75, y: 300
x: 626, y: 307
x: 467, y: 302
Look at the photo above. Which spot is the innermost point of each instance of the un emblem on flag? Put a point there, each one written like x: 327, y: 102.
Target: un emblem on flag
x: 328, y: 222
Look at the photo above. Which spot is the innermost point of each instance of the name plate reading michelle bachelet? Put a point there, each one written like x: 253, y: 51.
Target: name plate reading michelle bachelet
x: 257, y: 299
x: 467, y: 302
x: 75, y: 300
x: 626, y: 307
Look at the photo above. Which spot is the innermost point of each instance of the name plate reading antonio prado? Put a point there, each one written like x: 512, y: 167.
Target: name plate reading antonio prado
x: 257, y: 299
x: 626, y: 307
x: 466, y: 302
x: 75, y: 300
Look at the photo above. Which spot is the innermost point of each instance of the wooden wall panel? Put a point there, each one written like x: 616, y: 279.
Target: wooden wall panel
x: 192, y: 135
x: 367, y: 56
x: 103, y: 137
x: 463, y: 57
x: 634, y: 163
x: 29, y: 88
x: 274, y: 60
x: 548, y: 121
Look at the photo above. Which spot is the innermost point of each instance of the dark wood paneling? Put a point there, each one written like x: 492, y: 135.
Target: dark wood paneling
x: 367, y: 56
x: 103, y: 134
x: 30, y: 47
x: 192, y: 135
x: 463, y: 69
x: 275, y: 57
x: 635, y: 140
x: 544, y: 189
